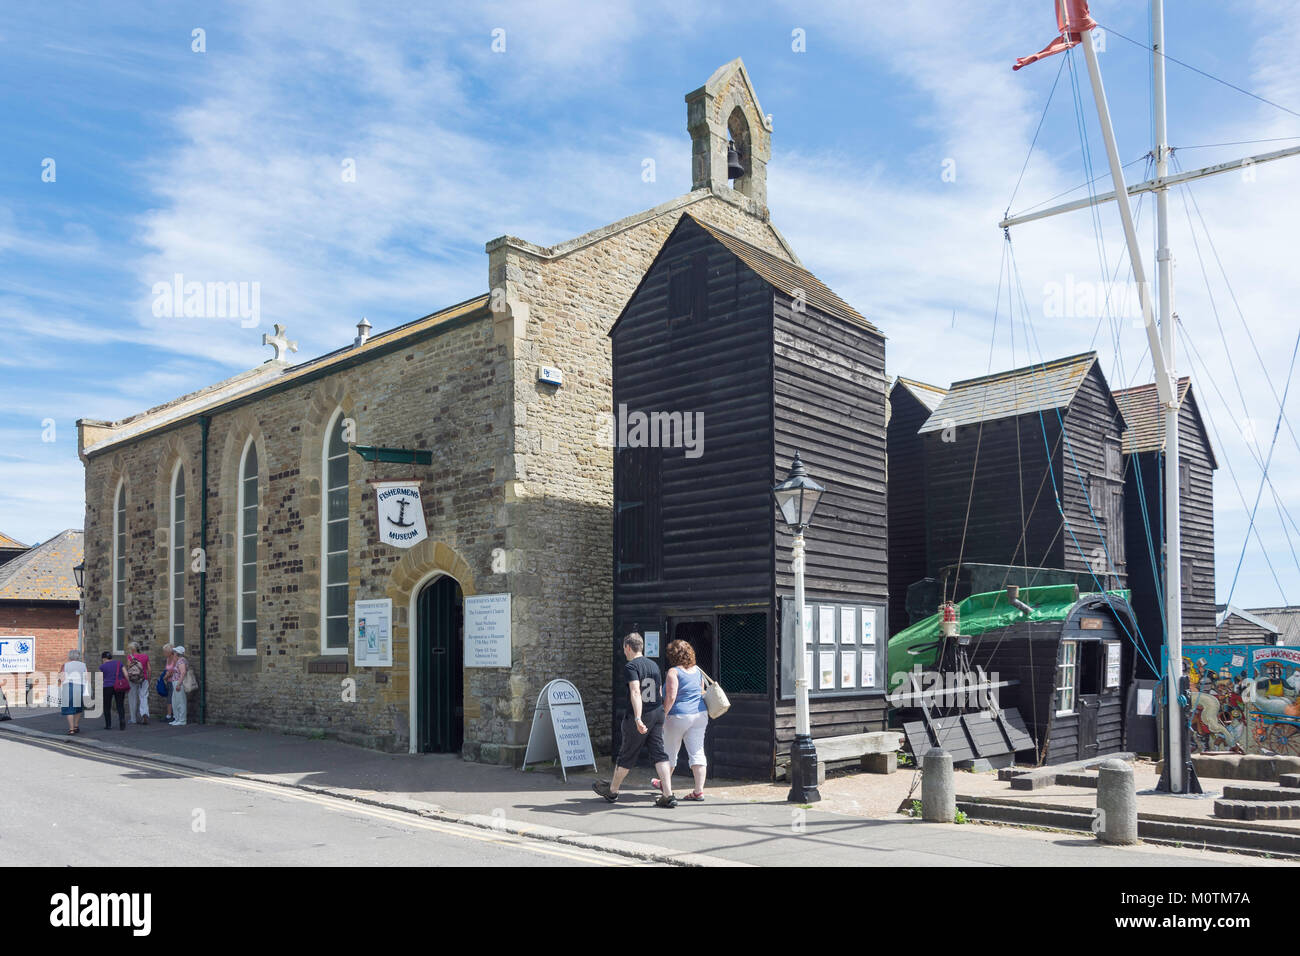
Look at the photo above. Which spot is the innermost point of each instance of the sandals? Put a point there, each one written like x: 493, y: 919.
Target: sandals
x: 696, y: 795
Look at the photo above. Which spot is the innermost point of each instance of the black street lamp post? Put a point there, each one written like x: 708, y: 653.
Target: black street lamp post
x: 797, y: 499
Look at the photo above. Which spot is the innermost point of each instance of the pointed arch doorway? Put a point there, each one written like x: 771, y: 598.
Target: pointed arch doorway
x: 439, y: 667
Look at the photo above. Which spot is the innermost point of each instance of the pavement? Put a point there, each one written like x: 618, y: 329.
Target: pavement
x: 739, y: 824
x: 70, y: 805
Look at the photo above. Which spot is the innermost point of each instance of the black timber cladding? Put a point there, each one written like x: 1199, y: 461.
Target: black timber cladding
x: 773, y: 361
x: 1144, y: 476
x: 998, y: 451
x: 910, y: 404
x: 1028, y: 653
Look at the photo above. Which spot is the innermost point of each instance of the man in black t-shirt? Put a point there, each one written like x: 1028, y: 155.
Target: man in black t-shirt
x: 643, y: 726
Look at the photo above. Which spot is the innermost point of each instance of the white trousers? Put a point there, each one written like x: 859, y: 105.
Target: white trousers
x: 689, y: 728
x: 179, y: 704
x: 137, y: 701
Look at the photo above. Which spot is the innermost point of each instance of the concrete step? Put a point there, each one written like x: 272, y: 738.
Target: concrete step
x: 1248, y: 792
x: 1289, y: 780
x: 1153, y: 828
x: 1086, y: 779
x: 1257, y: 809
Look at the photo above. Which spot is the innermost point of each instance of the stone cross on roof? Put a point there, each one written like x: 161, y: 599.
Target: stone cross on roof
x: 279, y: 343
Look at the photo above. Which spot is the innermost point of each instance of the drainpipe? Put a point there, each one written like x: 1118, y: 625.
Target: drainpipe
x: 204, y: 421
x: 1013, y: 598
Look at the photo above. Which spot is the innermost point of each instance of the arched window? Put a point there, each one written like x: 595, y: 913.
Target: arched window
x: 334, y: 540
x: 247, y: 551
x: 119, y: 568
x: 178, y: 553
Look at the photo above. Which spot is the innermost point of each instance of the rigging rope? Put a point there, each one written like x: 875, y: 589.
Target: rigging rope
x: 1210, y: 76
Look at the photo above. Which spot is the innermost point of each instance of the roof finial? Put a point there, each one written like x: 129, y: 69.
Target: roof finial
x: 279, y: 343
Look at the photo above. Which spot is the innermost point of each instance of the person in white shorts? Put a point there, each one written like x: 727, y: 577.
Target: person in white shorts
x: 688, y: 716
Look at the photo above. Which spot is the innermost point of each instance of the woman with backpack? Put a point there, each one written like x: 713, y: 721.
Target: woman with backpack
x: 116, y: 685
x: 137, y: 696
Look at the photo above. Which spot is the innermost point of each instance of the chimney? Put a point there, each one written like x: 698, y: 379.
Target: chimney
x: 363, y: 333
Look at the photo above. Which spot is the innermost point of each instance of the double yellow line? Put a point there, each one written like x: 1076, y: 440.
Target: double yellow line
x: 335, y: 804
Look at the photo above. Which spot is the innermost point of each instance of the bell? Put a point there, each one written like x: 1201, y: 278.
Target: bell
x: 734, y: 169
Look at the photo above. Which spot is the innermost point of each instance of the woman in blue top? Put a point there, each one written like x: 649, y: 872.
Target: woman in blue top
x: 688, y: 717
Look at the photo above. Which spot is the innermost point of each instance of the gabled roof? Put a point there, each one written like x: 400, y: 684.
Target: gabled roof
x: 1287, y: 620
x: 1035, y: 388
x: 1145, y: 418
x: 272, y: 374
x: 7, y: 543
x: 789, y: 278
x: 44, y: 573
x: 928, y: 395
x: 1223, y: 611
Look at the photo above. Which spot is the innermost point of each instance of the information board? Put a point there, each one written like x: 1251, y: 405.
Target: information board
x: 840, y: 648
x: 559, y: 730
x: 372, y: 633
x: 487, y: 630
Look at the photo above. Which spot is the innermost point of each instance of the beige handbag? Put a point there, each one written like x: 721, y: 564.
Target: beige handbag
x: 715, y: 698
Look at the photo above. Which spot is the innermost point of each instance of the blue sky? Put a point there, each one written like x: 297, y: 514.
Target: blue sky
x: 225, y: 165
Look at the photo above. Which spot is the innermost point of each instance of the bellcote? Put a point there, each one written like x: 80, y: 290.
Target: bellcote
x: 726, y: 109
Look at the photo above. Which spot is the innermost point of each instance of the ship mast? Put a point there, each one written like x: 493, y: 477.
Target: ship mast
x: 1162, y: 338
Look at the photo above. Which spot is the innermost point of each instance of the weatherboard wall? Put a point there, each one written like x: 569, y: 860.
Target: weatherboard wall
x: 829, y: 405
x: 906, y: 500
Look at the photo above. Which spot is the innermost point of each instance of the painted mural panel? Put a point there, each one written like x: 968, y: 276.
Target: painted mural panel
x: 1244, y: 698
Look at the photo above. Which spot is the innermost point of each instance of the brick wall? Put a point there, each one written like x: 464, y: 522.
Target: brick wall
x: 54, y: 627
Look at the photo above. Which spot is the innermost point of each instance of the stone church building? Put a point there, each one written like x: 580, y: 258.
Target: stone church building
x: 261, y: 472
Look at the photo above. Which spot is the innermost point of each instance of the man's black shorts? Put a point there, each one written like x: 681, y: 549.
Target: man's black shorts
x: 652, y: 739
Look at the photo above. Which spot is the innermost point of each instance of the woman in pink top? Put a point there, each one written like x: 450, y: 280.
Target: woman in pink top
x: 170, y: 658
x: 137, y: 671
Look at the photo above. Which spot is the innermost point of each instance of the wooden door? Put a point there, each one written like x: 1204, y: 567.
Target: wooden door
x: 440, y: 692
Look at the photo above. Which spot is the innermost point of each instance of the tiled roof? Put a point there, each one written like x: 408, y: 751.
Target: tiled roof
x: 789, y: 278
x: 7, y: 542
x: 1286, y: 619
x: 268, y: 374
x: 1021, y: 391
x: 1144, y: 416
x: 1224, y: 611
x: 928, y: 395
x: 44, y: 573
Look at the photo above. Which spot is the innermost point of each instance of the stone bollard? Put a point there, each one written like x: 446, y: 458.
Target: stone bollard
x: 1117, y: 813
x: 938, y: 792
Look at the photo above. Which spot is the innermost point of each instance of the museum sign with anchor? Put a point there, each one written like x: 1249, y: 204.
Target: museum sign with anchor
x: 401, y: 510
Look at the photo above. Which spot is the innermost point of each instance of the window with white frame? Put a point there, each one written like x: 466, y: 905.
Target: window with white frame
x: 1113, y: 662
x: 119, y: 568
x: 247, y: 556
x: 178, y: 551
x: 1067, y: 663
x: 334, y: 540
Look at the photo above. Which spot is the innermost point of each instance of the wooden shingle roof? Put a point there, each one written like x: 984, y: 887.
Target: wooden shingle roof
x: 1144, y: 416
x: 7, y: 543
x: 1043, y: 387
x: 44, y: 573
x: 789, y: 278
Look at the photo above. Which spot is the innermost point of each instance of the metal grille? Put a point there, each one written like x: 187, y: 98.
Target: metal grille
x: 742, y: 646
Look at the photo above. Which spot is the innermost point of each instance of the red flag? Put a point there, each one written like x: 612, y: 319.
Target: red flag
x: 1072, y: 21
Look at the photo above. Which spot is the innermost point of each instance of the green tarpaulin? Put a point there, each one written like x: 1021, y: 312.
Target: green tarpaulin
x: 978, y: 614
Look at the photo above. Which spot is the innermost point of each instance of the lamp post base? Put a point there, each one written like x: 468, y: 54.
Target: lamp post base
x: 803, y: 771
